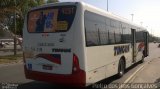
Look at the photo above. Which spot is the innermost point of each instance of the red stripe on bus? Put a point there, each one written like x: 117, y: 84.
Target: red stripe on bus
x: 77, y: 79
x: 50, y: 57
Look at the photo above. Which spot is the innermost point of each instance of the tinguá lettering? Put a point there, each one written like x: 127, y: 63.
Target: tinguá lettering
x: 121, y: 49
x: 61, y: 50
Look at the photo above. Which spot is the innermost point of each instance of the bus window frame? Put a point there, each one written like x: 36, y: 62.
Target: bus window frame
x: 52, y: 7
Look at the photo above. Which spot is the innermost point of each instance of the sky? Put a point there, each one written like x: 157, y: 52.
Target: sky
x: 146, y: 12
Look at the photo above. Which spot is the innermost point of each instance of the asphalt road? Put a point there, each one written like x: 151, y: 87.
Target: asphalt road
x: 15, y: 74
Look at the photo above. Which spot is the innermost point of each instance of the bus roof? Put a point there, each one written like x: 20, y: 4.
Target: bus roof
x: 110, y: 15
x: 96, y: 10
x: 54, y: 4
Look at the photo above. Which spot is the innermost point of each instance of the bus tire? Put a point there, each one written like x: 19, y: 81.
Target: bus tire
x: 121, y: 68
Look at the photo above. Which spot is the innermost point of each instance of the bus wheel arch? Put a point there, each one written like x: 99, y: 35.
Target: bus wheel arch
x: 124, y: 59
x: 121, y: 67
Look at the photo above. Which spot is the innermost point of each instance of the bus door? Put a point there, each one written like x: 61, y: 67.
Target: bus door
x: 146, y: 43
x: 133, y: 45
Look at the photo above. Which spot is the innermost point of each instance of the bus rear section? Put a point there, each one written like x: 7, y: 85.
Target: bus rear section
x: 49, y: 50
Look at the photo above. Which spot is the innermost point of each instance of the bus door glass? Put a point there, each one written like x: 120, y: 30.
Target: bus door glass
x: 146, y: 51
x: 133, y: 45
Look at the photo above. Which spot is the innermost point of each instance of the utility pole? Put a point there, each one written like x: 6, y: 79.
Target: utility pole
x: 141, y: 23
x: 132, y: 16
x: 15, y: 41
x: 107, y: 5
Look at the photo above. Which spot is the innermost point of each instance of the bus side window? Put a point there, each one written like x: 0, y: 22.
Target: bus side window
x: 91, y: 34
x: 91, y: 29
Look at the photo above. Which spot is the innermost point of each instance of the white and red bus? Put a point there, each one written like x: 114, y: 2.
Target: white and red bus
x: 74, y: 43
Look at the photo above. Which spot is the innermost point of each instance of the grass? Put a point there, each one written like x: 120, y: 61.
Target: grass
x: 10, y: 58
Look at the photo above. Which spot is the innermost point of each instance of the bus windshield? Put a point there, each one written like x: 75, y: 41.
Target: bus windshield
x: 51, y: 19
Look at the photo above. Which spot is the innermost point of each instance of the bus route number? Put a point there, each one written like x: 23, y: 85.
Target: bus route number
x: 67, y: 11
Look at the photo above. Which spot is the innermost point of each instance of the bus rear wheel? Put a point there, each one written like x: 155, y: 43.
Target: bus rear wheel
x: 121, y: 68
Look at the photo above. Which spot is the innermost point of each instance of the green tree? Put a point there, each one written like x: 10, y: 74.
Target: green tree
x: 39, y: 2
x: 52, y: 1
x: 8, y: 8
x: 1, y: 33
x: 12, y: 13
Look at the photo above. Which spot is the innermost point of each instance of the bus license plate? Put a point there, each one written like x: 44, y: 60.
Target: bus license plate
x: 47, y: 67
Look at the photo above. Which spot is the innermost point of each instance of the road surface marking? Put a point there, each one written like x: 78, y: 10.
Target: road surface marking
x: 126, y: 81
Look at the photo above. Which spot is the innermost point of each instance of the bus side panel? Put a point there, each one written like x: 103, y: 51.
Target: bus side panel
x: 103, y: 63
x: 101, y: 60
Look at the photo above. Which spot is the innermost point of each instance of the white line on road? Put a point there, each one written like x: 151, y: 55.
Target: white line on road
x: 126, y: 81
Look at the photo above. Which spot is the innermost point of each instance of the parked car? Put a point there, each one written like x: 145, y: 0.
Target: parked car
x: 2, y: 44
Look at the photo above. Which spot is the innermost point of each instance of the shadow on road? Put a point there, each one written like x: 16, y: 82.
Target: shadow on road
x: 38, y: 85
x: 109, y: 80
x: 133, y: 66
x: 43, y: 85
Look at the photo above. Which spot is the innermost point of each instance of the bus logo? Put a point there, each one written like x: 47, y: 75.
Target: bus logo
x: 121, y: 49
x: 141, y: 46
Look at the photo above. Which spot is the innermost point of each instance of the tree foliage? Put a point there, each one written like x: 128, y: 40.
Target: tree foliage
x: 1, y: 33
x: 52, y: 1
x: 17, y: 9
